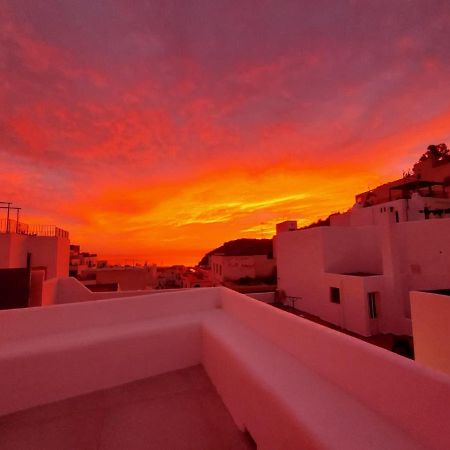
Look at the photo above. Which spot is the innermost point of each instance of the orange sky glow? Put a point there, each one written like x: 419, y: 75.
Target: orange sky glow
x: 156, y: 130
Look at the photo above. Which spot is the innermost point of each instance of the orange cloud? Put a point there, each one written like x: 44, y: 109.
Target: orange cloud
x: 158, y: 133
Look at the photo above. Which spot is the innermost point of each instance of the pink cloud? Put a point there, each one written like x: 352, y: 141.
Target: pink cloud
x: 146, y: 98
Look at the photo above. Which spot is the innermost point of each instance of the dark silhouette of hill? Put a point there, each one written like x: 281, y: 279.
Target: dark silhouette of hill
x: 241, y: 247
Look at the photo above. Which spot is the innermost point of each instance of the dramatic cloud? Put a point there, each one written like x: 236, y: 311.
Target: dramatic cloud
x: 160, y: 129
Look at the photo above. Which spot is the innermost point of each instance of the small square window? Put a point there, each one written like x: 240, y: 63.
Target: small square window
x: 335, y: 295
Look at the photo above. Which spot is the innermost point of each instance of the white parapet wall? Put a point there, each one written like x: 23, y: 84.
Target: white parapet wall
x: 430, y: 314
x: 266, y: 297
x: 290, y: 382
x: 61, y: 290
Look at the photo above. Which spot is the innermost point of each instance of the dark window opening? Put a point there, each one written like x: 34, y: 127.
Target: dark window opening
x: 397, y: 218
x: 335, y: 295
x: 371, y: 297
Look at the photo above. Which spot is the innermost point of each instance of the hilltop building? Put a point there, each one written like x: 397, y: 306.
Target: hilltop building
x: 431, y: 176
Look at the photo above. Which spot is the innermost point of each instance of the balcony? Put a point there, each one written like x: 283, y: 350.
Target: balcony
x: 287, y: 382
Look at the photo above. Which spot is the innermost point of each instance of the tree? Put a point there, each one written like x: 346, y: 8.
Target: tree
x: 436, y: 152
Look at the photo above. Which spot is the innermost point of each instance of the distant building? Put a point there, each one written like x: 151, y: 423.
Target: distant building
x: 170, y: 277
x: 80, y: 261
x: 288, y: 225
x: 234, y: 268
x: 127, y: 278
x: 357, y: 273
x: 196, y: 277
x: 47, y: 245
x: 29, y: 254
x: 433, y: 174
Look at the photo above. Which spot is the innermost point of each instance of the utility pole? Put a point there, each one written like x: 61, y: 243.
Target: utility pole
x: 8, y: 207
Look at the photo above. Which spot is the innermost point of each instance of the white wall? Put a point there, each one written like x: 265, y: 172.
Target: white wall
x: 409, y: 255
x: 32, y: 323
x: 308, y: 259
x: 232, y: 268
x: 13, y: 252
x: 62, y: 290
x: 407, y: 209
x: 264, y: 267
x: 18, y: 249
x: 387, y: 382
x: 127, y: 278
x: 50, y: 252
x: 351, y: 313
x: 355, y: 249
x: 430, y: 315
x: 424, y: 253
x: 300, y: 267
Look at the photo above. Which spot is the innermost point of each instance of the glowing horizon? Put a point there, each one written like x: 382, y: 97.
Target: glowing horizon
x: 159, y: 130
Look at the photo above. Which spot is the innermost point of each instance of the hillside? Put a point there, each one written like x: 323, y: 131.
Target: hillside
x: 240, y: 247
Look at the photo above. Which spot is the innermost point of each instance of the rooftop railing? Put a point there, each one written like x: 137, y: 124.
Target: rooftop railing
x: 15, y: 227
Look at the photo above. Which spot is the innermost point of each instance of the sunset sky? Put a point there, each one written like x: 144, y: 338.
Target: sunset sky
x: 157, y: 130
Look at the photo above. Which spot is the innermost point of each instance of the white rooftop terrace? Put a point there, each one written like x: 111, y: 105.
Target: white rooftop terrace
x: 176, y: 410
x: 290, y: 382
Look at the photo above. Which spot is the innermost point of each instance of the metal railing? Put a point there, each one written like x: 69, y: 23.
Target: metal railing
x: 12, y: 226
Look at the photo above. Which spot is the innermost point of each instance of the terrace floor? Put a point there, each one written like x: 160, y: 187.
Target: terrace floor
x: 180, y: 410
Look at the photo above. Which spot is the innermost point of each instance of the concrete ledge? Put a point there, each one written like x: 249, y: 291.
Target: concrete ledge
x: 284, y: 404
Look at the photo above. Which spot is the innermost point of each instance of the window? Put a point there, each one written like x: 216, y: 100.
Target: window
x: 397, y: 218
x: 371, y: 298
x: 335, y: 295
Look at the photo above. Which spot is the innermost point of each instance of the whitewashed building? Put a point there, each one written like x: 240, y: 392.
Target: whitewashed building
x: 46, y: 246
x: 232, y: 268
x: 357, y: 273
